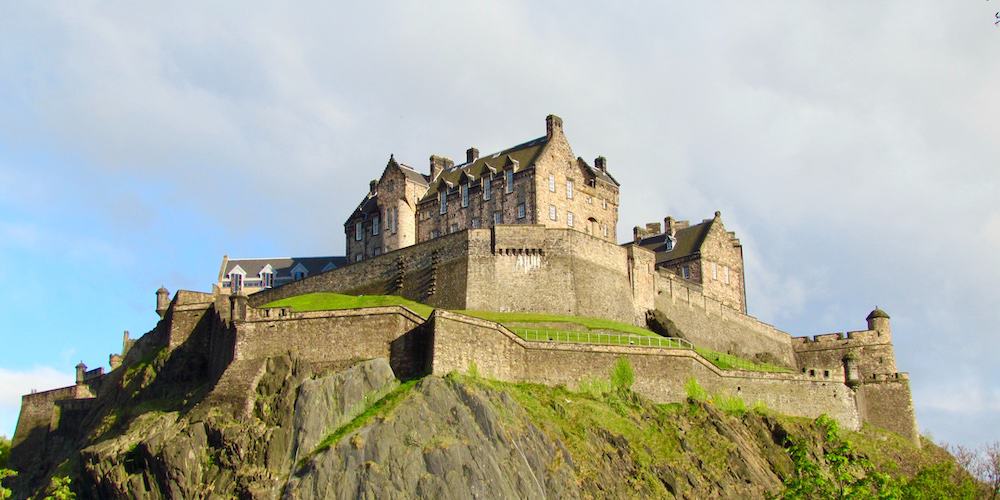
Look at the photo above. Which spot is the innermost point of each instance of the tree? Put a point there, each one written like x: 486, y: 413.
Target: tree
x: 4, y: 451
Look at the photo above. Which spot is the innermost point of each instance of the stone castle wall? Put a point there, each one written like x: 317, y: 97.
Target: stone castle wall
x: 660, y: 374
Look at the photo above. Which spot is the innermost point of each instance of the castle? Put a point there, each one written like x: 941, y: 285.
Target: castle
x: 528, y: 229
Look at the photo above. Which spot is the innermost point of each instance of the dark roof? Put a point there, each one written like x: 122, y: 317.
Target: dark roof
x: 877, y: 313
x: 368, y: 205
x: 412, y: 175
x: 596, y: 172
x: 521, y: 156
x: 688, y: 242
x: 283, y: 265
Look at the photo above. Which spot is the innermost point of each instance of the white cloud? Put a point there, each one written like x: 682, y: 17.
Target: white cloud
x: 14, y: 384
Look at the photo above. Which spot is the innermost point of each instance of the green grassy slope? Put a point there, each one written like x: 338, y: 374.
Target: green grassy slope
x: 326, y: 301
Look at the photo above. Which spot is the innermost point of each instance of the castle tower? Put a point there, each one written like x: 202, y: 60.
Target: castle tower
x: 878, y: 320
x: 162, y: 301
x: 81, y: 371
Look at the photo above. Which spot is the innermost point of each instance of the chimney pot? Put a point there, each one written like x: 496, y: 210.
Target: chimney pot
x: 371, y: 187
x: 601, y: 163
x: 471, y: 155
x: 553, y: 124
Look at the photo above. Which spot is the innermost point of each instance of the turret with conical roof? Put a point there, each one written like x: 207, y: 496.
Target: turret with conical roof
x: 879, y: 320
x: 162, y: 301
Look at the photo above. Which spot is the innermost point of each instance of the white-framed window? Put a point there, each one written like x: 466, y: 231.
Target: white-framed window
x: 604, y: 203
x: 487, y: 186
x: 476, y: 223
x: 497, y: 217
x: 590, y: 200
x: 236, y: 282
x: 604, y: 228
x: 465, y: 195
x: 376, y: 225
x: 569, y: 189
x: 569, y: 219
x: 685, y: 272
x: 443, y: 201
x: 553, y: 214
x: 266, y: 280
x: 359, y: 231
x: 552, y: 183
x: 453, y: 228
x: 520, y: 210
x: 715, y: 271
x: 725, y: 274
x: 509, y: 181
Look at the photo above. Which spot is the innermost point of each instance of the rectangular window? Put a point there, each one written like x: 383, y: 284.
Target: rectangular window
x: 715, y: 271
x: 268, y: 280
x: 605, y: 229
x: 509, y: 177
x: 725, y: 274
x: 357, y: 258
x: 435, y: 234
x: 395, y: 217
x: 604, y: 203
x: 443, y: 199
x: 553, y: 215
x: 552, y: 183
x: 685, y: 272
x: 375, y: 226
x: 236, y: 282
x: 487, y: 187
x: 498, y: 217
x: 465, y: 195
x: 569, y: 219
x: 476, y: 223
x: 590, y: 201
x: 359, y: 231
x: 569, y: 189
x: 520, y: 210
x: 453, y: 228
x: 377, y: 251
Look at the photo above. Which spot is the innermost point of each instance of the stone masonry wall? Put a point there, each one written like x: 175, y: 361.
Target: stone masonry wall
x: 480, y: 212
x: 888, y: 403
x: 38, y: 416
x: 872, y: 349
x: 459, y: 341
x: 721, y: 267
x: 709, y: 323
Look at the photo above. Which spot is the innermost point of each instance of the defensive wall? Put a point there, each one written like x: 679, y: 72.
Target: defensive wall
x: 506, y: 268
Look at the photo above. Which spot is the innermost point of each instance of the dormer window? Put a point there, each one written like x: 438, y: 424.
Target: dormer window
x: 669, y: 242
x: 299, y: 275
x: 236, y: 282
x: 267, y: 280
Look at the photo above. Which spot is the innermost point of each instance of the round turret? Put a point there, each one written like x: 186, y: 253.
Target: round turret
x: 878, y: 320
x: 162, y: 301
x: 81, y: 370
x: 851, y: 374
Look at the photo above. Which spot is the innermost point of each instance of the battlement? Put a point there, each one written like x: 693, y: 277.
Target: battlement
x: 827, y: 340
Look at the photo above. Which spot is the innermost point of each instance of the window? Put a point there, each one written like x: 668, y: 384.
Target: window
x: 552, y: 183
x: 453, y: 228
x: 465, y: 195
x: 377, y: 251
x: 443, y: 199
x: 590, y: 200
x: 509, y: 177
x: 715, y: 271
x: 301, y: 275
x: 236, y: 282
x: 569, y: 219
x: 605, y: 230
x: 553, y: 215
x: 685, y: 272
x: 476, y: 223
x: 604, y: 203
x: 569, y: 189
x: 487, y: 187
x: 267, y: 280
x: 725, y: 274
x: 435, y: 234
x: 392, y: 221
x: 520, y: 210
x: 375, y: 225
x: 498, y: 217
x: 359, y: 231
x: 357, y: 258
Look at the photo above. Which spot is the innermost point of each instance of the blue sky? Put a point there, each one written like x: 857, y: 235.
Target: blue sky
x: 853, y: 147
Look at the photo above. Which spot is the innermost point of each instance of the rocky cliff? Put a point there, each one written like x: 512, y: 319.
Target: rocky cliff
x: 358, y: 432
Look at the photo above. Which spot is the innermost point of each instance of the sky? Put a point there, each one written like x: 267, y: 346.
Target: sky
x: 852, y: 146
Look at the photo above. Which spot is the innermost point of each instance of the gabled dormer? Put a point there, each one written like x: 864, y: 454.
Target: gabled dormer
x: 299, y: 272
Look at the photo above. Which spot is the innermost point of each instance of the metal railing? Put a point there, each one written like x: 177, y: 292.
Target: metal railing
x: 533, y: 335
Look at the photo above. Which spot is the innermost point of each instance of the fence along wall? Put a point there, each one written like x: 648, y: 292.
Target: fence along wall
x: 660, y: 374
x: 708, y: 323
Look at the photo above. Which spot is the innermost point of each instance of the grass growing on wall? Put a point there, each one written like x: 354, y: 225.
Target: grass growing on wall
x: 729, y: 362
x: 326, y: 301
x: 571, y: 322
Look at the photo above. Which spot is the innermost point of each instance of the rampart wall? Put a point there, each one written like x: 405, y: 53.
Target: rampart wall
x: 871, y: 348
x: 38, y: 418
x: 706, y: 322
x: 459, y: 341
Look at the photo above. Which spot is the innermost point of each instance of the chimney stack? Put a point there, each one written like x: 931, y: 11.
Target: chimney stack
x: 636, y: 234
x: 553, y: 124
x: 601, y: 163
x: 439, y: 164
x: 668, y: 226
x: 371, y: 187
x: 471, y: 155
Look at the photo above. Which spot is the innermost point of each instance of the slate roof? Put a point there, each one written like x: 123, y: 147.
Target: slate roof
x: 688, y: 242
x: 283, y: 265
x: 521, y: 156
x: 411, y: 174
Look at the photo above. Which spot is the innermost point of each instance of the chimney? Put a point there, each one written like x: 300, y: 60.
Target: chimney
x: 371, y: 187
x: 471, y: 155
x: 601, y: 163
x: 636, y: 234
x: 668, y: 226
x: 439, y: 164
x: 553, y: 124
x: 652, y: 228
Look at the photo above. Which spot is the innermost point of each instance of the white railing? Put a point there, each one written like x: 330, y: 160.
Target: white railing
x: 532, y: 335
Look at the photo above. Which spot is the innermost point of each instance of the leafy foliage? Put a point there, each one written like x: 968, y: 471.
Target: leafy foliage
x: 695, y: 391
x: 622, y: 375
x: 5, y: 493
x: 4, y: 451
x: 59, y: 489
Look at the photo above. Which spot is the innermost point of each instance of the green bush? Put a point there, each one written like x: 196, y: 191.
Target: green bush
x: 4, y: 451
x: 695, y: 391
x: 4, y: 474
x: 622, y: 375
x: 473, y: 370
x: 731, y: 405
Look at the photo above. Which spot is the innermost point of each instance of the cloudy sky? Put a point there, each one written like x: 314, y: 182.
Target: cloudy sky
x: 853, y: 147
